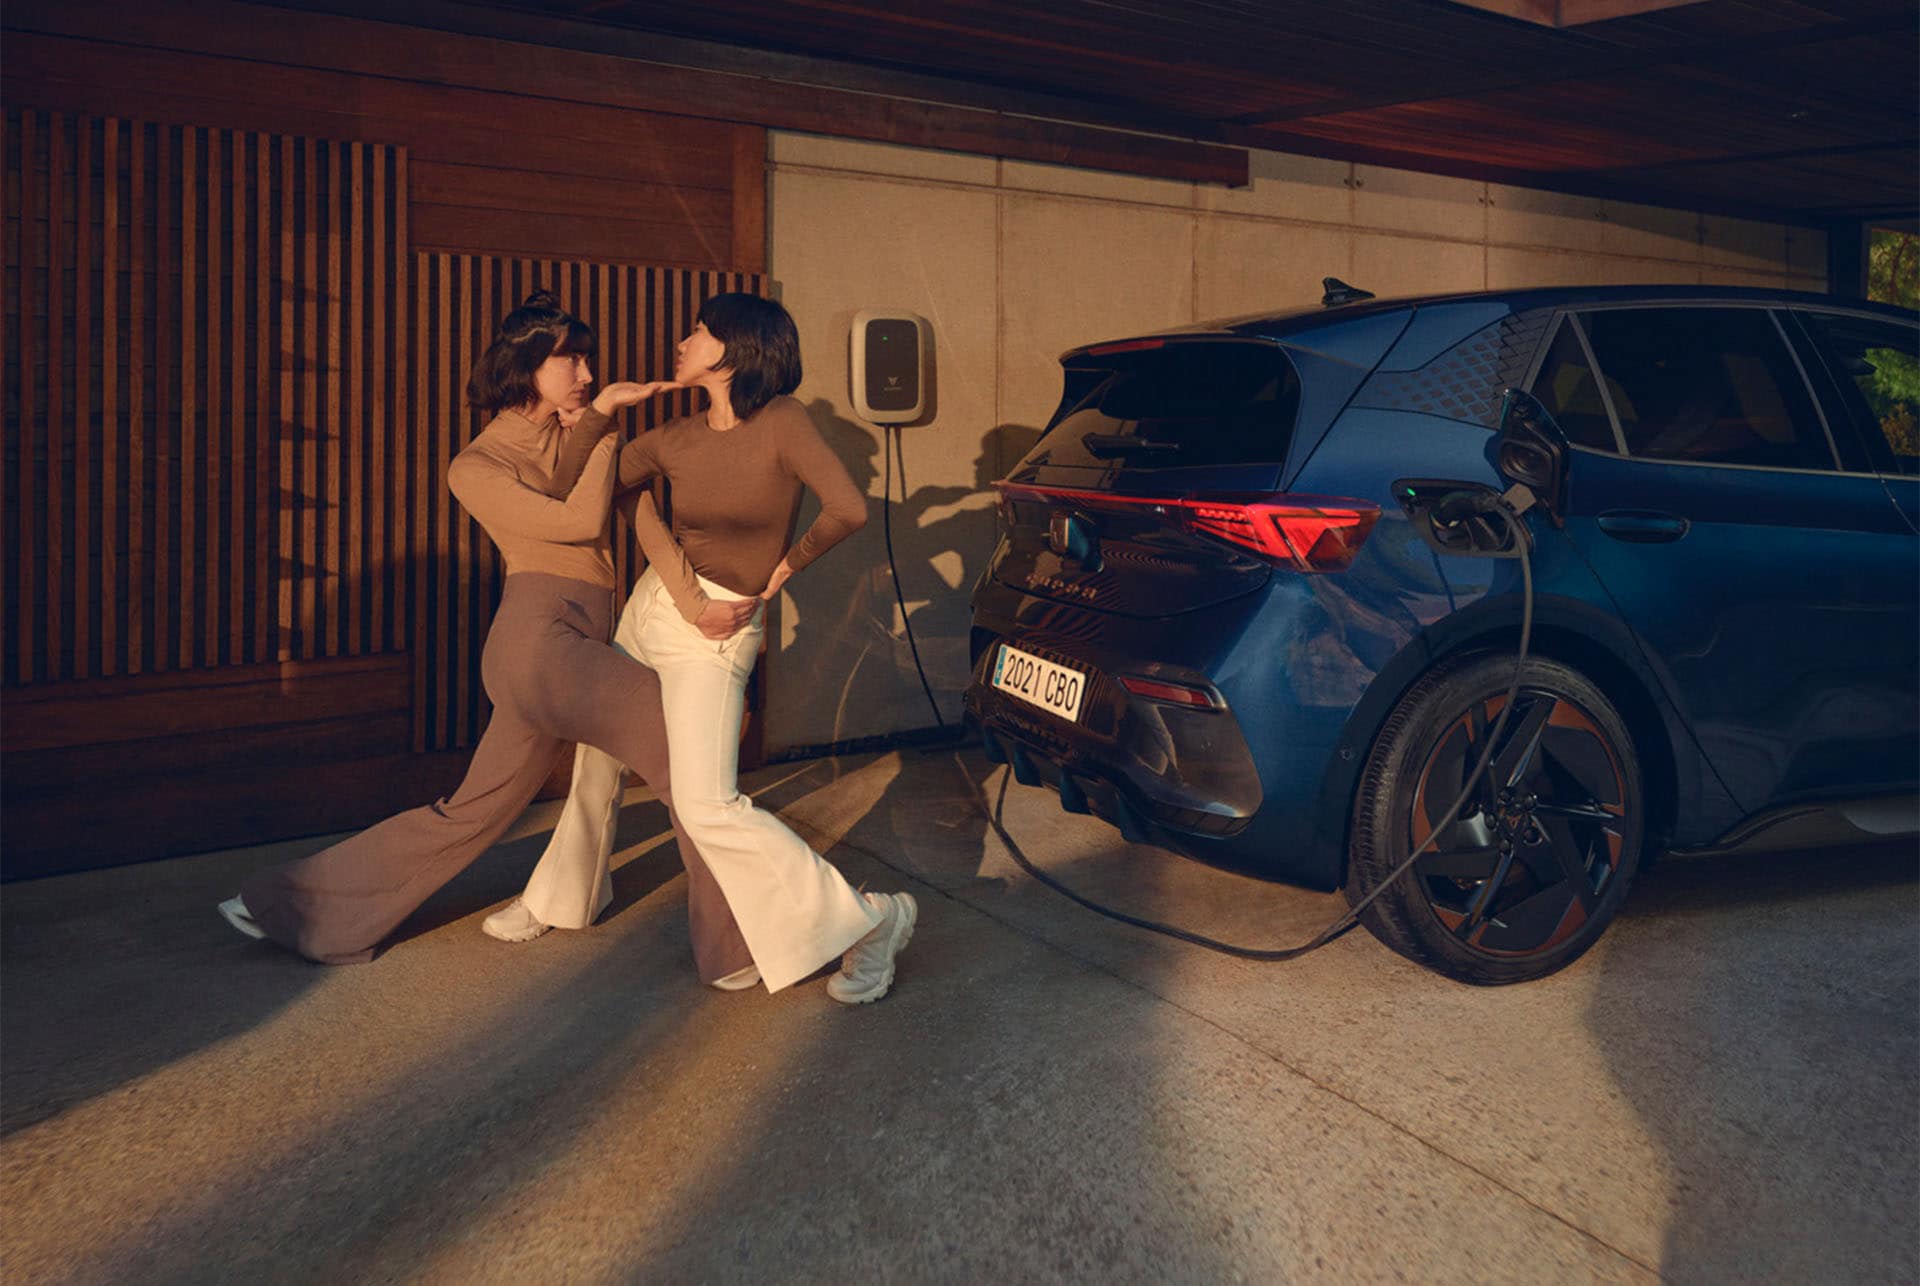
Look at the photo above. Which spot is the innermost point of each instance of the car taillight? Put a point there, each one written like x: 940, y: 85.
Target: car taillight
x: 1307, y: 533
x: 1304, y: 533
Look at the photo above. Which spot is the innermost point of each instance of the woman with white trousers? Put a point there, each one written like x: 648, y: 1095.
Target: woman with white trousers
x: 736, y: 470
x: 547, y: 668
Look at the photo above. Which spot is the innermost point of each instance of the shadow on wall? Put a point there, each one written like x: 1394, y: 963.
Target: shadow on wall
x: 844, y: 668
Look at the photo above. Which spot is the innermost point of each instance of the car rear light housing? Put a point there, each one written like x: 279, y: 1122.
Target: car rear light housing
x: 1302, y: 533
x: 1179, y: 694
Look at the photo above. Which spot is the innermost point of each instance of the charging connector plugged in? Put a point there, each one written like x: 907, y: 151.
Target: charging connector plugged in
x: 1466, y: 518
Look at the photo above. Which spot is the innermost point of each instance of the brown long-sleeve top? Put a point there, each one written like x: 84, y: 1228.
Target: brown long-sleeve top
x: 503, y: 478
x: 735, y: 492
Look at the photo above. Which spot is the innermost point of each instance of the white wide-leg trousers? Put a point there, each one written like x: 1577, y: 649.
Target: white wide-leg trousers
x: 795, y: 911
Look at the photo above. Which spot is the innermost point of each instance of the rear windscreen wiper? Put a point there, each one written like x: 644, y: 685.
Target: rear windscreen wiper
x: 1106, y: 446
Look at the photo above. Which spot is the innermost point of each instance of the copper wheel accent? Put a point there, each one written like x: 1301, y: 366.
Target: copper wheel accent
x: 1535, y: 848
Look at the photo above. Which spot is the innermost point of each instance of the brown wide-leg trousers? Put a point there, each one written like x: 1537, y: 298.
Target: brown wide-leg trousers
x: 552, y: 679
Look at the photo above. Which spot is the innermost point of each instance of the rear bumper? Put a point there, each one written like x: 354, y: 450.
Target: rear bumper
x: 1261, y: 785
x: 1154, y: 770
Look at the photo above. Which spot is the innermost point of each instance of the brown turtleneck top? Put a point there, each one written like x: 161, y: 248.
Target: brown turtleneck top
x: 735, y: 492
x: 503, y: 478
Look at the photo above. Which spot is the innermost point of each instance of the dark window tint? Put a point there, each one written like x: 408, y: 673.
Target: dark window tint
x: 1876, y: 365
x: 1178, y: 405
x: 1566, y: 387
x: 1715, y: 385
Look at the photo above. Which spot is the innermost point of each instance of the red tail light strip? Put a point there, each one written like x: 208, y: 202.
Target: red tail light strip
x: 1305, y: 533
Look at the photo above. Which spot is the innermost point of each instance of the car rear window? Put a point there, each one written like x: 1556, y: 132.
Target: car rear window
x: 1566, y: 387
x: 1175, y: 405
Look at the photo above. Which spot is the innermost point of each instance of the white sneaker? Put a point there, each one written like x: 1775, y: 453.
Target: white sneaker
x: 239, y: 917
x: 513, y: 923
x: 866, y: 971
x: 738, y: 980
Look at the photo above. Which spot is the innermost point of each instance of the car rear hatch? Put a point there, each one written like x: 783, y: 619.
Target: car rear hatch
x: 1152, y: 494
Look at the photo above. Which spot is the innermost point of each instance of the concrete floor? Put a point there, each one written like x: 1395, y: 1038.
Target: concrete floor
x: 1727, y: 1087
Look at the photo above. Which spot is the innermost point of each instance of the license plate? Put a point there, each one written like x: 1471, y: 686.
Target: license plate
x: 1054, y: 688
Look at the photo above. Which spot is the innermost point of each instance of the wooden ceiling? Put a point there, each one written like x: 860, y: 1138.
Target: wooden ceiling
x: 1801, y: 109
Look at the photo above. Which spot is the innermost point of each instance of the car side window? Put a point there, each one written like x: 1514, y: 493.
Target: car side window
x: 1708, y: 385
x: 1567, y: 388
x: 1877, y: 366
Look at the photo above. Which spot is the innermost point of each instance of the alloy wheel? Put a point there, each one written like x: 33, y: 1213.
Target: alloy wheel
x: 1533, y: 851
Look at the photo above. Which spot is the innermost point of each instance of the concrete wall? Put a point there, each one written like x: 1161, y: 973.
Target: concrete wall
x: 1014, y: 262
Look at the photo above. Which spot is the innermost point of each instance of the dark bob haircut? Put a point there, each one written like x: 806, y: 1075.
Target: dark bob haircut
x: 538, y: 329
x: 762, y: 348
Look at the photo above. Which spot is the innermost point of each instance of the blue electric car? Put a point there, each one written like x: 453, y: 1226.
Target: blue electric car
x: 1221, y: 613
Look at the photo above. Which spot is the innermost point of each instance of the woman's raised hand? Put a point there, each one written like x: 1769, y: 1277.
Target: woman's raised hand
x: 614, y: 397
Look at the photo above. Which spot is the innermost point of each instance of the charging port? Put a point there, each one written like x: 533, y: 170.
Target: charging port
x: 1457, y: 517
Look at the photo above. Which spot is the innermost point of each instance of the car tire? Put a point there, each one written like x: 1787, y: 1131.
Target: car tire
x: 1538, y: 862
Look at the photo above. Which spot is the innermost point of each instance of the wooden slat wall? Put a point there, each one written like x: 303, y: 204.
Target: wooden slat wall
x: 639, y: 314
x: 231, y: 386
x: 201, y: 359
x: 494, y: 172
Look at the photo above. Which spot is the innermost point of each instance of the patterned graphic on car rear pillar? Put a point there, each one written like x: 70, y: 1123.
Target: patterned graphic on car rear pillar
x: 1464, y: 382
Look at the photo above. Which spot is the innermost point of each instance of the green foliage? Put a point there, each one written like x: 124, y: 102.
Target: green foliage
x: 1893, y: 389
x: 1897, y: 424
x: 1896, y: 377
x: 1893, y: 267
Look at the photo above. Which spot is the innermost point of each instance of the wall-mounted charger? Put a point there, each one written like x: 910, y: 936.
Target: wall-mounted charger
x: 889, y: 353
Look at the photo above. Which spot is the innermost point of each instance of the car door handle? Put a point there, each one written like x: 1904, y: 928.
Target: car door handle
x: 1643, y: 527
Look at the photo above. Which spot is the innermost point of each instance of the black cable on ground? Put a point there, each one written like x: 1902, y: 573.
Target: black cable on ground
x: 1345, y: 922
x: 890, y: 442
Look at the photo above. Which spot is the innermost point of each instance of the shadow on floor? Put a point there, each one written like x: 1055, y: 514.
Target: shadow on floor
x: 1769, y: 1181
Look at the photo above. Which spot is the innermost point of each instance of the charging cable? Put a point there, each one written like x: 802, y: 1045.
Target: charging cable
x: 1453, y: 511
x: 890, y: 442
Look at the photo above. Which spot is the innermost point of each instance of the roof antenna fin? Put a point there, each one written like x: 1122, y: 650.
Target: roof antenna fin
x: 1339, y: 292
